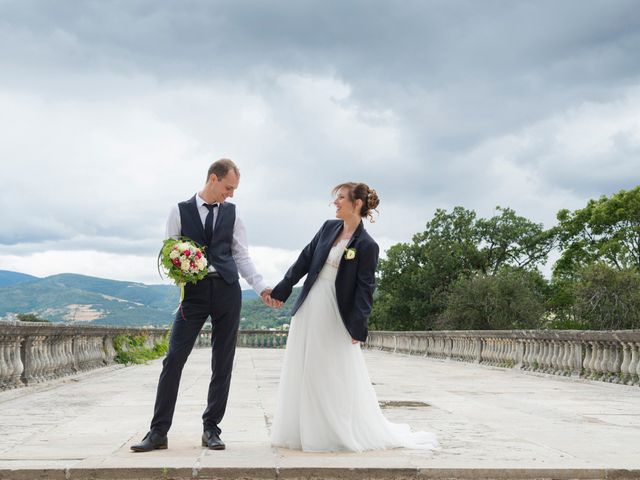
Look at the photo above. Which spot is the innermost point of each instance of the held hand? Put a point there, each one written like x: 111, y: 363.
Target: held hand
x: 353, y: 342
x: 265, y: 295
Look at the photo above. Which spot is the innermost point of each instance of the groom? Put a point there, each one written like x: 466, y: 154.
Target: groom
x: 210, y: 221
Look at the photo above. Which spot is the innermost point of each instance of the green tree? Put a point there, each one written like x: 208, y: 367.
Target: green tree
x: 412, y: 275
x: 30, y: 317
x: 508, y: 239
x: 607, y: 230
x: 512, y: 298
x: 606, y: 298
x: 455, y: 244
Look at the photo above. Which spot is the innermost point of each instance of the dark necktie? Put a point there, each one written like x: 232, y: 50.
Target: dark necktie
x: 208, y: 223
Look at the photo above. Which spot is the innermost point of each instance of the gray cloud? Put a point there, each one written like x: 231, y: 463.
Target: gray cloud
x: 112, y: 111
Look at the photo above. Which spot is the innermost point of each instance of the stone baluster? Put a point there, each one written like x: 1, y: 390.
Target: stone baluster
x: 532, y: 354
x: 79, y: 352
x: 422, y: 347
x: 512, y: 352
x: 636, y: 350
x: 544, y: 355
x: 560, y: 358
x: 586, y: 362
x: 455, y: 350
x: 553, y: 357
x: 98, y: 346
x: 58, y: 362
x: 4, y: 364
x: 626, y: 361
x: 10, y: 370
x: 553, y: 363
x: 72, y: 365
x: 615, y: 360
x: 596, y: 358
x: 48, y: 357
x: 493, y: 351
x: 17, y: 366
x: 110, y: 351
x: 526, y: 352
x: 575, y: 359
x: 40, y: 361
x: 634, y: 363
x: 603, y: 366
x: 565, y: 363
x: 487, y: 350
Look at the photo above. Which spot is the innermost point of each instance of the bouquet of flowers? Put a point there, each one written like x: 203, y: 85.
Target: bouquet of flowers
x: 182, y: 260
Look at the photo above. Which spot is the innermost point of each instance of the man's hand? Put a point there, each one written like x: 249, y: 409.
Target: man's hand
x: 265, y: 295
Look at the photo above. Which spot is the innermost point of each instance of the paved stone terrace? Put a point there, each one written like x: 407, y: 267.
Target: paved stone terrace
x: 491, y: 423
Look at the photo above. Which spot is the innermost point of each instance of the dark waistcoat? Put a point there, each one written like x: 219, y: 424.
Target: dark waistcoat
x: 218, y: 251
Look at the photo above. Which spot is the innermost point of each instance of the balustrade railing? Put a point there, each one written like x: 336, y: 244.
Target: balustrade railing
x: 32, y: 353
x: 611, y: 356
x: 251, y: 338
x: 36, y: 352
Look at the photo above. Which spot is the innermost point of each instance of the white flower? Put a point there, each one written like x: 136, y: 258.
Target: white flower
x: 350, y: 253
x: 201, y: 263
x: 174, y: 254
x: 184, y: 265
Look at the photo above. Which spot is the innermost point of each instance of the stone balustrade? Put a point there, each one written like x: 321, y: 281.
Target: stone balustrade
x: 31, y: 353
x: 250, y: 339
x: 35, y: 352
x: 611, y: 356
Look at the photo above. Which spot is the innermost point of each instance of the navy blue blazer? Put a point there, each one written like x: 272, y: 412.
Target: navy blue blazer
x: 355, y: 280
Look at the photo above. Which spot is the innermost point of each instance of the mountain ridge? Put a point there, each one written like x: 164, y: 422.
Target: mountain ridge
x: 74, y: 298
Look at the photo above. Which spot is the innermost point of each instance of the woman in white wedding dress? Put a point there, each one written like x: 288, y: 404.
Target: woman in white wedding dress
x: 326, y: 401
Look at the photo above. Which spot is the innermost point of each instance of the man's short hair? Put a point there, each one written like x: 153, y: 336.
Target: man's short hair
x: 221, y: 168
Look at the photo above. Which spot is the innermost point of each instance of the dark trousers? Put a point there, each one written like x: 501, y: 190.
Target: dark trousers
x: 209, y: 297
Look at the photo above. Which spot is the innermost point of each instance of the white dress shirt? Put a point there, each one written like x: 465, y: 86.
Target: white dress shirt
x: 239, y: 245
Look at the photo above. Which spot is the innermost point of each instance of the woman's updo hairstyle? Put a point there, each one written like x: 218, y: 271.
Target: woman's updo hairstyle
x: 362, y: 191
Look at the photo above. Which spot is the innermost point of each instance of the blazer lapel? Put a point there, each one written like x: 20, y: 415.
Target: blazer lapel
x: 354, y: 237
x: 325, y: 247
x: 355, y: 234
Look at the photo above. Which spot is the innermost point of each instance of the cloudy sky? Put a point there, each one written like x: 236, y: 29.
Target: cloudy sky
x: 112, y: 111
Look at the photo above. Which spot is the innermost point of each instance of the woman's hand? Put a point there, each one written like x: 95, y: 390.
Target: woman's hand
x: 353, y: 342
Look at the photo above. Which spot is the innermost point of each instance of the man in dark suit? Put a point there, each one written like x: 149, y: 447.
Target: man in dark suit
x: 207, y: 219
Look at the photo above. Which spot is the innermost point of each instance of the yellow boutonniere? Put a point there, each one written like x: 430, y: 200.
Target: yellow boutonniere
x: 349, y: 253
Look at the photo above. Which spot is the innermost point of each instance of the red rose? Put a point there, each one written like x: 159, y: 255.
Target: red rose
x: 198, y: 254
x: 176, y: 262
x: 186, y: 253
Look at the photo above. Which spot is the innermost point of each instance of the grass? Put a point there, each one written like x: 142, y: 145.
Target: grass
x: 132, y: 349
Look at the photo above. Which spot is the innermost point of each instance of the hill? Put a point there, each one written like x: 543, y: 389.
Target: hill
x: 73, y: 298
x: 10, y: 278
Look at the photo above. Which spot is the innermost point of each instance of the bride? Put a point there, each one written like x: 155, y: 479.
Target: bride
x: 326, y: 401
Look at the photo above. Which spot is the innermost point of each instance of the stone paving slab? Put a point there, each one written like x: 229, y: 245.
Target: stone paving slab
x: 491, y: 423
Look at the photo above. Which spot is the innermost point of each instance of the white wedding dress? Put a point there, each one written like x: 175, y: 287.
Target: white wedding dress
x: 326, y: 401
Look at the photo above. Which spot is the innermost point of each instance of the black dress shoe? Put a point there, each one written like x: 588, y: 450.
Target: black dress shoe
x: 151, y: 441
x: 212, y: 440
